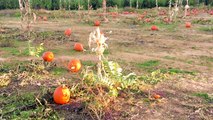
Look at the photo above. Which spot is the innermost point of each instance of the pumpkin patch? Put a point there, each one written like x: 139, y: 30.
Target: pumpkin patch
x: 106, y: 59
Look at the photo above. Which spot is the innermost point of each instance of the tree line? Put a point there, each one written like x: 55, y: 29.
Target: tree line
x: 95, y: 4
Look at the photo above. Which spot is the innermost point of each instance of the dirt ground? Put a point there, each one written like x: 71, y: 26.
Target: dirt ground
x: 174, y: 47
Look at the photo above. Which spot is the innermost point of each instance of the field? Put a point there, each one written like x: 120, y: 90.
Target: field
x: 174, y: 62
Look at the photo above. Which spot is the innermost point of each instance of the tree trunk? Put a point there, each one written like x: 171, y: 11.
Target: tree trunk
x: 88, y: 6
x: 60, y: 5
x: 137, y: 4
x: 130, y: 3
x: 25, y: 11
x: 21, y: 9
x: 170, y: 5
x: 156, y: 3
x: 186, y: 8
x: 104, y: 10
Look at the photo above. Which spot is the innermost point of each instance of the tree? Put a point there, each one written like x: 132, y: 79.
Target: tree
x: 104, y: 10
x: 137, y: 4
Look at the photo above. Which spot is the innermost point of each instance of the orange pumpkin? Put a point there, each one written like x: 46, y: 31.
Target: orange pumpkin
x: 154, y: 28
x: 188, y: 24
x: 48, y: 56
x: 78, y: 47
x: 68, y: 32
x: 97, y: 23
x: 61, y: 95
x: 156, y: 96
x: 45, y: 18
x: 74, y: 65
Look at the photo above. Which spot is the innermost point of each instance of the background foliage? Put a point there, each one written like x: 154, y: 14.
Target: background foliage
x: 73, y: 4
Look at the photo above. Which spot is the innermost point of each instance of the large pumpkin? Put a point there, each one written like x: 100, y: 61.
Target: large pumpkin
x: 78, y: 47
x: 61, y: 95
x: 74, y: 65
x: 68, y: 32
x: 48, y: 56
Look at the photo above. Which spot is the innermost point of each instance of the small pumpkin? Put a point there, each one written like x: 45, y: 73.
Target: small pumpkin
x: 61, y: 95
x: 48, y: 56
x: 154, y: 28
x: 97, y: 23
x: 68, y: 32
x: 156, y: 96
x: 188, y: 24
x: 74, y: 65
x: 78, y: 47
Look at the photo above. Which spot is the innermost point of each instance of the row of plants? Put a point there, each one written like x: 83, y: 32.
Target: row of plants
x: 73, y: 4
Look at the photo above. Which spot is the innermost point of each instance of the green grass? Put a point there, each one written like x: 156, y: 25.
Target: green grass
x: 169, y: 57
x: 88, y: 63
x: 206, y: 61
x: 147, y: 64
x: 177, y: 71
x: 59, y: 71
x: 162, y: 26
x: 207, y: 29
x: 11, y: 50
x: 206, y: 58
x: 106, y: 52
x: 23, y: 106
x: 14, y: 51
x: 204, y: 96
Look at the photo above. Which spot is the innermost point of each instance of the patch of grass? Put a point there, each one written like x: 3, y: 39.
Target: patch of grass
x: 59, y: 71
x: 46, y: 34
x: 154, y: 77
x: 177, y: 71
x: 11, y: 50
x: 207, y: 58
x: 168, y: 27
x: 147, y: 64
x: 189, y: 61
x: 24, y: 106
x: 169, y: 57
x: 204, y: 96
x: 194, y: 48
x: 6, y: 43
x: 206, y: 61
x: 106, y: 52
x: 88, y: 63
x: 207, y: 29
x: 15, y: 51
